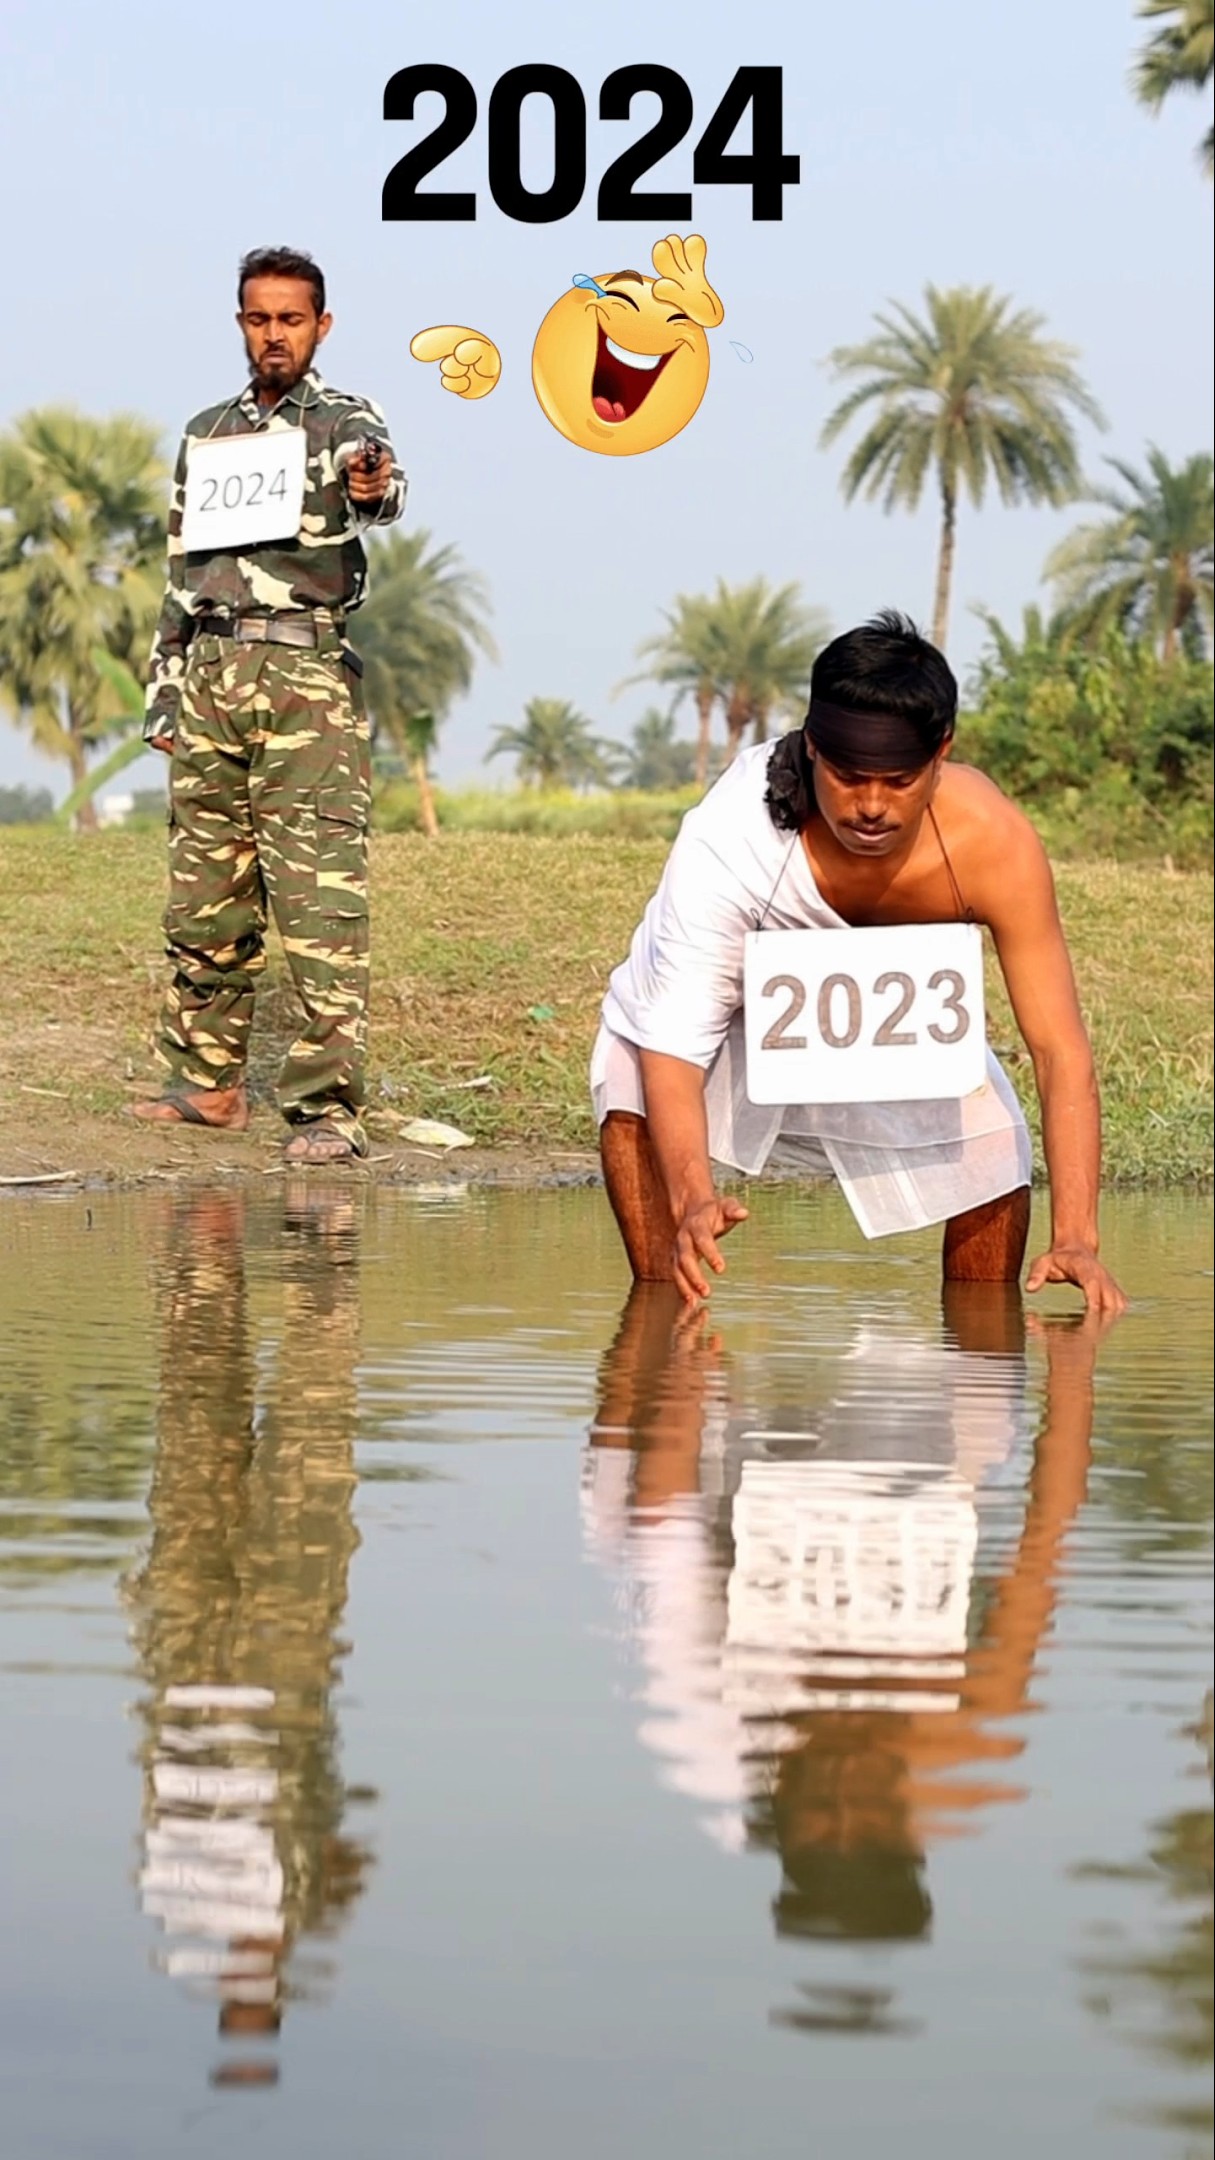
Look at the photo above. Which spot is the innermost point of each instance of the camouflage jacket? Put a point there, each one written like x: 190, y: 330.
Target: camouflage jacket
x: 326, y: 567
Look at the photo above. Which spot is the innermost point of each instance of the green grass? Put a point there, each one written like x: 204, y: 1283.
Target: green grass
x: 610, y: 814
x: 476, y: 934
x: 1105, y: 824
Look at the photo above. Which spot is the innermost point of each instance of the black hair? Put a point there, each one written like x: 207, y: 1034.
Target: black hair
x: 884, y: 667
x: 281, y: 263
x: 867, y: 1896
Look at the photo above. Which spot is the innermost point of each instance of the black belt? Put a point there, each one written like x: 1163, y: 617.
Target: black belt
x: 268, y: 629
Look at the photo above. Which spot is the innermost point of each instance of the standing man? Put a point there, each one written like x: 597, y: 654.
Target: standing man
x: 857, y: 819
x: 254, y: 693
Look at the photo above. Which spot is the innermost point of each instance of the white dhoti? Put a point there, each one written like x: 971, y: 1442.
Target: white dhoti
x: 900, y: 1166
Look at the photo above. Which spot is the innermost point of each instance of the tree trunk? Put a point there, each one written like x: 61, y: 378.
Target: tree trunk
x: 739, y: 714
x: 940, y: 606
x: 761, y: 724
x: 85, y: 819
x: 1176, y: 623
x: 704, y: 723
x: 426, y: 800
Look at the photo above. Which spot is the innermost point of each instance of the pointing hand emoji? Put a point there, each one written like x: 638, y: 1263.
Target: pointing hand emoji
x: 469, y: 363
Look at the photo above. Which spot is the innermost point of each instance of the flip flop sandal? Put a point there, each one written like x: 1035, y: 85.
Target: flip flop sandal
x: 187, y: 1114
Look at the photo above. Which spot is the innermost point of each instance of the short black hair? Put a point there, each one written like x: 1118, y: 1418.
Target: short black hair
x: 281, y: 262
x: 887, y: 666
x: 862, y: 1896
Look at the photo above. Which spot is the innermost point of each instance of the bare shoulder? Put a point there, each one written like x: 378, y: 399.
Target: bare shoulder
x: 999, y: 859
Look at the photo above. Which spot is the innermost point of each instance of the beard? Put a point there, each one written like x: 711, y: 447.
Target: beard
x: 280, y: 373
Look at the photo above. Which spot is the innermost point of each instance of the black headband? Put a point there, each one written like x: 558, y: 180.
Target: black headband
x: 867, y: 742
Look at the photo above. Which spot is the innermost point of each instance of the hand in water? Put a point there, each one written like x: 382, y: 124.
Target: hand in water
x: 1075, y: 1264
x: 696, y: 1241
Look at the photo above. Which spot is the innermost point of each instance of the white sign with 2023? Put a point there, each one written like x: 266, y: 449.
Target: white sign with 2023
x: 242, y: 490
x: 888, y: 1015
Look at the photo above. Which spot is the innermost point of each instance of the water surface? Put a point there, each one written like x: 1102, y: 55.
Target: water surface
x: 447, y: 1708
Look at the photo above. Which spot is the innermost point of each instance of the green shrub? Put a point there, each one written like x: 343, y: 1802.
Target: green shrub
x: 1107, y: 747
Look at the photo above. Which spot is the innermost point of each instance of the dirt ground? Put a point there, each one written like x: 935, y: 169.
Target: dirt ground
x: 51, y: 1144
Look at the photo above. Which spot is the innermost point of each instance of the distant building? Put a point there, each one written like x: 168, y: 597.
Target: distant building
x: 115, y: 809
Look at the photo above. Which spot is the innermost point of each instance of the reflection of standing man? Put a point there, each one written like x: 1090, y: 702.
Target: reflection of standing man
x: 254, y: 692
x: 238, y: 1606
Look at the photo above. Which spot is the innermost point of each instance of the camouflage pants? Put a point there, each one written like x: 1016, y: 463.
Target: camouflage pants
x: 269, y: 793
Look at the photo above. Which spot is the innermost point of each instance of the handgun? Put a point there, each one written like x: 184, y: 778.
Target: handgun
x: 369, y: 453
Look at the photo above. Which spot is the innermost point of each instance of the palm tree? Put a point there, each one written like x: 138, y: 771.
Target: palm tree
x: 685, y: 658
x: 1042, y: 636
x: 969, y: 393
x: 654, y: 760
x: 767, y: 642
x: 747, y: 645
x: 81, y: 568
x: 1178, y: 56
x: 127, y: 695
x: 1148, y: 568
x: 419, y: 633
x: 554, y: 748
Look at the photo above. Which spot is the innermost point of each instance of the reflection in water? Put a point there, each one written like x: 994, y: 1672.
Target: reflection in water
x: 1163, y: 1993
x: 829, y: 1651
x: 238, y: 1602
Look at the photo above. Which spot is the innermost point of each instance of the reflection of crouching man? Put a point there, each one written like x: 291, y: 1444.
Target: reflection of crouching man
x: 855, y: 820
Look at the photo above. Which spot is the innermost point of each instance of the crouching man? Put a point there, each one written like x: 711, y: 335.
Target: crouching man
x: 856, y: 820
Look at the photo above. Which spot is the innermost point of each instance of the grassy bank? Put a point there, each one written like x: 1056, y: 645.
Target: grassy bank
x: 490, y: 955
x: 1110, y: 823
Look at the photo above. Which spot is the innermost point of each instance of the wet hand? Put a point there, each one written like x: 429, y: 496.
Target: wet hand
x: 469, y: 363
x: 696, y: 1243
x: 681, y: 281
x: 369, y: 487
x: 1076, y: 1264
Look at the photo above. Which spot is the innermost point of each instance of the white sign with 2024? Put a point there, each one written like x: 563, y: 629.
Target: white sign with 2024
x: 889, y: 1015
x: 242, y: 490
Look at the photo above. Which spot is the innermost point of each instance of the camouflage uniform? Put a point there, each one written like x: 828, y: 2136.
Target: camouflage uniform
x: 270, y: 782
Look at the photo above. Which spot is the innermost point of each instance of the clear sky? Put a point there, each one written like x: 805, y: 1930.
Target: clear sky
x: 145, y: 148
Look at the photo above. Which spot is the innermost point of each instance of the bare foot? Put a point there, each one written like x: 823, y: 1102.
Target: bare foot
x: 226, y: 1109
x: 320, y: 1142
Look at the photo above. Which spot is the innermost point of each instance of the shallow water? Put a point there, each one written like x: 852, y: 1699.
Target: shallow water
x: 442, y: 1711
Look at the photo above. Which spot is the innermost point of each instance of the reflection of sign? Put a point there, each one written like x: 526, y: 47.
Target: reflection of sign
x: 244, y: 489
x: 225, y: 1785
x: 890, y: 1015
x: 848, y: 1578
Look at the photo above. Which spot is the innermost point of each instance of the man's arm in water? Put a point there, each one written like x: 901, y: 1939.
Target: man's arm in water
x: 679, y: 1136
x: 1023, y: 916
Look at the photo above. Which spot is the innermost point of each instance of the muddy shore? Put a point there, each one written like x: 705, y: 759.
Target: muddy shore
x: 46, y: 1145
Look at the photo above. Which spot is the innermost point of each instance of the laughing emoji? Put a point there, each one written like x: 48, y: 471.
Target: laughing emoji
x: 621, y: 362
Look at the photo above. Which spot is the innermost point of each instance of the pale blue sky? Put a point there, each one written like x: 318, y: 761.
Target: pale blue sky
x: 145, y: 148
